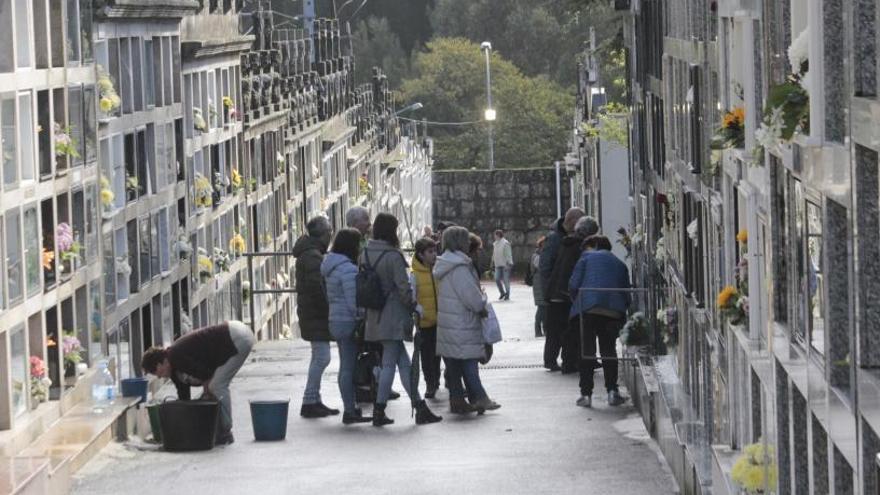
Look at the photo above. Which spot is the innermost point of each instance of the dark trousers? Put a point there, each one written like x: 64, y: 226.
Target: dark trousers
x: 606, y: 330
x: 429, y: 358
x: 539, y: 320
x: 555, y: 324
x: 571, y: 346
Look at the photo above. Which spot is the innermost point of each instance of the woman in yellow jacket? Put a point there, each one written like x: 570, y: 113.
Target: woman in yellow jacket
x: 426, y: 297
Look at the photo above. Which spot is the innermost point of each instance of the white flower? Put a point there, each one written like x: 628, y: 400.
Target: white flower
x: 660, y: 251
x: 805, y: 82
x: 690, y: 95
x: 770, y: 132
x: 692, y: 230
x: 246, y: 285
x: 661, y: 316
x: 799, y: 51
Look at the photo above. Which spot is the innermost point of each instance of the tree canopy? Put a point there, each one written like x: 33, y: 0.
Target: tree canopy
x: 534, y: 113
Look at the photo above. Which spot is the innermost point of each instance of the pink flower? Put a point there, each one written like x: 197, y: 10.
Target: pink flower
x: 38, y: 367
x: 63, y: 237
x: 70, y: 344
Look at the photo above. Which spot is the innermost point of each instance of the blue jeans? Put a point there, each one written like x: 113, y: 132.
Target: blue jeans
x: 394, y: 355
x: 469, y: 369
x: 502, y: 279
x: 320, y: 361
x: 343, y: 332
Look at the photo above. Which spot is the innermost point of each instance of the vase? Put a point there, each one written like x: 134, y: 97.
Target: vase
x: 69, y: 369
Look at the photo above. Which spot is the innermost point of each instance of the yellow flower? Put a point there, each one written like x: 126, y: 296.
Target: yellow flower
x: 735, y: 117
x: 742, y: 236
x: 236, y: 178
x: 114, y: 98
x: 227, y: 102
x: 205, y: 264
x: 724, y: 297
x: 106, y: 104
x: 237, y: 244
x: 107, y: 197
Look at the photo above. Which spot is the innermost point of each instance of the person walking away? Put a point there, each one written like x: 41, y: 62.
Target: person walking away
x: 339, y: 270
x: 313, y: 312
x: 603, y: 314
x: 392, y: 324
x: 534, y: 276
x: 557, y: 289
x: 502, y: 260
x: 209, y: 358
x: 556, y: 312
x: 426, y: 297
x: 461, y: 304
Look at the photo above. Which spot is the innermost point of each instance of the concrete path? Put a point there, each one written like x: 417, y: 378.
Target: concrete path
x: 538, y: 442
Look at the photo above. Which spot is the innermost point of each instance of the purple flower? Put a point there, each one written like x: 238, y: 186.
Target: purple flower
x: 70, y: 344
x: 63, y: 237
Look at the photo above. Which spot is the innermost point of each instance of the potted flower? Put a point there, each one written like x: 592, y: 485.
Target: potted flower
x: 733, y: 305
x: 732, y: 131
x: 221, y: 259
x: 109, y: 100
x: 237, y: 246
x: 71, y: 349
x: 68, y: 247
x: 364, y: 186
x: 755, y: 471
x: 237, y: 184
x: 199, y: 121
x: 229, y: 105
x: 122, y: 266
x: 635, y: 331
x: 107, y: 196
x: 204, y: 190
x: 206, y: 266
x: 40, y: 383
x: 64, y: 144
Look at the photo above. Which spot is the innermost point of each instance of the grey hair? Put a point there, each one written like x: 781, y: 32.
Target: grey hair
x: 456, y: 239
x: 356, y: 214
x: 318, y: 227
x: 585, y: 227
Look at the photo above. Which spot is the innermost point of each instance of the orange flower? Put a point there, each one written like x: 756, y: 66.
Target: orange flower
x: 725, y: 296
x: 48, y: 259
x: 742, y: 236
x: 734, y: 118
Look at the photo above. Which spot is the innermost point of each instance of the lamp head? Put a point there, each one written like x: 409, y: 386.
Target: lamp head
x: 489, y: 114
x: 485, y: 45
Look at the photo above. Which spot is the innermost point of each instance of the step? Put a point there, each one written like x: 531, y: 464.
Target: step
x: 24, y: 475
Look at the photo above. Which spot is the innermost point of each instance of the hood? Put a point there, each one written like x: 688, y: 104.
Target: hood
x: 332, y: 261
x: 417, y: 266
x: 307, y: 243
x: 449, y: 260
x: 558, y: 226
x: 571, y: 240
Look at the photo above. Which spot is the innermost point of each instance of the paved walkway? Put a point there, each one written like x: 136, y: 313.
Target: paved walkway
x: 538, y: 442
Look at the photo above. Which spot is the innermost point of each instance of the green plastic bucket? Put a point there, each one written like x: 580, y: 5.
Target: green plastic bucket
x: 155, y: 422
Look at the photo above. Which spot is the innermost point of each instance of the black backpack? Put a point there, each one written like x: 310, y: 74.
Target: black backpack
x: 369, y: 293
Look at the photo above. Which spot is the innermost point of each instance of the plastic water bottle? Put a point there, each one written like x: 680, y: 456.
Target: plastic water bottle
x: 103, y: 389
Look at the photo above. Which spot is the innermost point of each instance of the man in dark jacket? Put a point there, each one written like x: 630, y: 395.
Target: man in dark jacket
x: 313, y: 311
x: 207, y: 358
x: 554, y: 323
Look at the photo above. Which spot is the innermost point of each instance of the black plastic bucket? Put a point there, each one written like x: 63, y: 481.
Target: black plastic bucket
x: 189, y: 425
x: 269, y: 418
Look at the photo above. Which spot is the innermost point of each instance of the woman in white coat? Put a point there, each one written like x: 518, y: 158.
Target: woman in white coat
x: 461, y: 304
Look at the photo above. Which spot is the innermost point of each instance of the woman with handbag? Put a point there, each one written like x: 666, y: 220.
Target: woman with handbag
x: 461, y: 306
x: 339, y: 271
x: 393, y: 323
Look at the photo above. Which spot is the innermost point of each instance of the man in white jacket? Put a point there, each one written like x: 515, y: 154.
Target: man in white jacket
x: 502, y: 260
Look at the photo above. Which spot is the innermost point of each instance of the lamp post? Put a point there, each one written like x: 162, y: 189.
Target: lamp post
x: 486, y: 47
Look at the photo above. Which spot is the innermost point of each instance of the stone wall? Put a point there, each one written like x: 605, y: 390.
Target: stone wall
x: 521, y: 202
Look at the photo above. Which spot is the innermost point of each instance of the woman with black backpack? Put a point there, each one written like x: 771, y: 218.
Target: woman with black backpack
x: 390, y: 321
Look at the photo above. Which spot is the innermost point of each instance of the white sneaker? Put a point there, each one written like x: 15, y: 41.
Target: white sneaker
x: 585, y: 401
x: 615, y: 399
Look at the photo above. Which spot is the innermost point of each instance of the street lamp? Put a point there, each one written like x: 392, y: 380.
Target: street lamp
x: 489, y: 114
x: 415, y: 106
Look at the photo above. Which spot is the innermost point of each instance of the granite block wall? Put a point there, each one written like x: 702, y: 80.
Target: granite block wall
x: 521, y: 202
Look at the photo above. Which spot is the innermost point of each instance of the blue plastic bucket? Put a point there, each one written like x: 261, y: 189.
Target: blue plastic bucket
x: 135, y: 387
x: 269, y: 418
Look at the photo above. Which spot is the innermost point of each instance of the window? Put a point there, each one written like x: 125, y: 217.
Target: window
x: 170, y: 155
x: 32, y: 250
x: 125, y: 84
x: 131, y: 177
x: 154, y: 244
x: 8, y: 139
x: 26, y: 131
x: 137, y: 69
x: 152, y: 185
x: 75, y: 113
x: 44, y: 143
x: 164, y: 243
x: 6, y: 56
x: 95, y: 319
x: 110, y: 269
x: 91, y: 230
x: 85, y: 14
x: 157, y: 71
x: 149, y: 76
x: 124, y: 268
x: 79, y: 225
x: 89, y: 122
x: 119, y: 173
x: 131, y: 238
x: 13, y: 256
x: 19, y: 370
x: 815, y: 277
x: 175, y: 67
x: 142, y: 164
x: 145, y: 250
x: 73, y: 34
x: 167, y: 62
x: 23, y: 38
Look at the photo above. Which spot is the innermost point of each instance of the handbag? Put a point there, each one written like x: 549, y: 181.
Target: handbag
x: 491, y: 327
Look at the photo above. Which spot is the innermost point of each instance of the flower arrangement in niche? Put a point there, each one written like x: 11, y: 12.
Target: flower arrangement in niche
x: 203, y: 191
x: 221, y: 259
x: 733, y: 305
x: 64, y: 144
x: 40, y: 383
x: 199, y: 120
x: 205, y: 265
x: 72, y: 349
x: 67, y: 246
x: 212, y: 112
x: 107, y: 195
x: 660, y: 252
x: 122, y: 266
x: 667, y: 319
x: 246, y: 291
x: 184, y: 248
x: 364, y: 186
x: 236, y: 181
x: 109, y: 99
x: 635, y: 332
x: 47, y: 259
x: 237, y: 246
x: 731, y: 134
x: 755, y: 470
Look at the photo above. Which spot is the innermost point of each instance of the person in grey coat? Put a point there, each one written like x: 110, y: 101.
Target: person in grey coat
x: 538, y: 287
x: 461, y: 305
x: 393, y: 324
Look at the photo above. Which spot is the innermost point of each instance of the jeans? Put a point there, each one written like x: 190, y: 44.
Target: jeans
x: 430, y: 360
x: 320, y: 361
x: 539, y: 320
x: 469, y: 370
x: 243, y: 339
x: 607, y: 330
x: 555, y: 325
x: 502, y: 279
x: 394, y: 355
x: 343, y: 332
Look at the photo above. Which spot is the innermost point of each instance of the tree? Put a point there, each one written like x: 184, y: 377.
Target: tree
x: 534, y: 113
x: 375, y: 45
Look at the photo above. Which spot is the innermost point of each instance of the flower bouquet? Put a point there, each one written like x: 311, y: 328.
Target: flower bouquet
x: 221, y: 259
x: 667, y: 324
x: 755, y: 471
x: 67, y: 246
x: 64, y: 144
x: 635, y: 332
x: 199, y: 121
x: 732, y: 132
x: 237, y: 184
x: 40, y: 383
x: 107, y: 195
x: 71, y: 349
x: 109, y: 99
x: 246, y: 291
x: 733, y: 305
x: 204, y: 190
x: 364, y: 186
x: 237, y: 246
x: 206, y: 265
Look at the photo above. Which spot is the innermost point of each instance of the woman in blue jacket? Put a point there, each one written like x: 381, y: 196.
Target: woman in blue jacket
x: 339, y: 271
x: 602, y: 313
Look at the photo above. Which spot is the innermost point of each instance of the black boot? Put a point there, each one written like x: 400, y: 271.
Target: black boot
x: 379, y: 417
x: 424, y: 416
x: 356, y: 417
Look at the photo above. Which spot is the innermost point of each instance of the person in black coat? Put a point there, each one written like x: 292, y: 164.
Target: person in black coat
x: 554, y: 321
x: 313, y: 311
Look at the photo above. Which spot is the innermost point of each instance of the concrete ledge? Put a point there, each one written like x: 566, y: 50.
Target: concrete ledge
x: 24, y: 476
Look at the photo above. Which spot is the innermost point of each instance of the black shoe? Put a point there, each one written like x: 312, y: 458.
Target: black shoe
x: 393, y: 395
x: 552, y: 367
x: 507, y: 296
x: 224, y: 439
x: 379, y: 417
x: 312, y: 411
x: 431, y: 393
x: 364, y: 395
x: 329, y: 411
x: 356, y: 417
x: 424, y: 416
